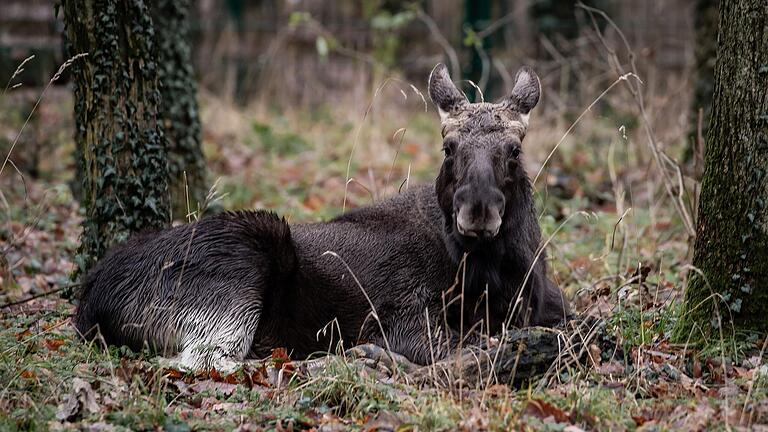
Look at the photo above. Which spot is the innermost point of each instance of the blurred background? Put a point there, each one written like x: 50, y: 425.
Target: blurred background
x: 312, y: 106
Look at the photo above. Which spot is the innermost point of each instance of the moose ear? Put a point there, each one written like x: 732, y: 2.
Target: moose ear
x: 444, y: 94
x: 525, y: 94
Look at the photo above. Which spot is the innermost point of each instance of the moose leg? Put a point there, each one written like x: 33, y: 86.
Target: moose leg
x: 380, y: 356
x: 218, y: 342
x: 410, y: 342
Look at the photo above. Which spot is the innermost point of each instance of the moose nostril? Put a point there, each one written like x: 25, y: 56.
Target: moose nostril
x: 483, y: 234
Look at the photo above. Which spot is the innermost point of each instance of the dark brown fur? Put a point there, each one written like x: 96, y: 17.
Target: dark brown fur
x: 236, y: 285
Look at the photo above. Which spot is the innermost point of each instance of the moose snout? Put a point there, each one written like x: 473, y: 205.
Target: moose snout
x: 478, y: 213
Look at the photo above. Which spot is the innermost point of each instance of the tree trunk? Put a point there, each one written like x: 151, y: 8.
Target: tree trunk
x: 123, y: 168
x: 731, y: 250
x: 705, y: 23
x: 179, y: 109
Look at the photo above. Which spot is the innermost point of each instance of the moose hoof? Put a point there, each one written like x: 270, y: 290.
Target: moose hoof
x: 224, y: 365
x: 374, y: 355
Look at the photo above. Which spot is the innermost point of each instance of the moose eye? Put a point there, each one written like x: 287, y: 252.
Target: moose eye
x: 448, y: 148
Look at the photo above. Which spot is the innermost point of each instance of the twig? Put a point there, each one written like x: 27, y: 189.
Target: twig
x: 578, y: 119
x: 441, y: 40
x: 639, y: 100
x: 47, y: 293
x: 39, y: 99
x: 485, y: 62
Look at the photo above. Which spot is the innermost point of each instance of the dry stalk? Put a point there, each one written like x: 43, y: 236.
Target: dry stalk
x: 18, y: 70
x: 56, y: 76
x: 370, y: 303
x: 664, y: 163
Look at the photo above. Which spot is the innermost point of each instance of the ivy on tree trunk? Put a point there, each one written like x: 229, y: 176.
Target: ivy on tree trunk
x: 181, y: 121
x: 124, y: 168
x: 731, y: 250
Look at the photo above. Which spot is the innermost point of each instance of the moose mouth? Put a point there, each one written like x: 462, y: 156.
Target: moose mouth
x: 473, y: 225
x: 479, y: 235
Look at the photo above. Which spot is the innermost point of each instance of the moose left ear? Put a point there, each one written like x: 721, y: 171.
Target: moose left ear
x: 525, y: 94
x: 446, y: 96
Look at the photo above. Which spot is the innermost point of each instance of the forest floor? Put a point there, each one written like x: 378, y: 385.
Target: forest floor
x: 617, y: 248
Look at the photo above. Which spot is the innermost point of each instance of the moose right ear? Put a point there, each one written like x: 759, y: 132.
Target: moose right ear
x: 444, y: 94
x: 525, y: 94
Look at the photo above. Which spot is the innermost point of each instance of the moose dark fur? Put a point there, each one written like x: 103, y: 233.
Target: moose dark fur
x: 233, y: 286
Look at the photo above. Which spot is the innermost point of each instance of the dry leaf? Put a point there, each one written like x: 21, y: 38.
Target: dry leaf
x: 81, y: 400
x: 54, y: 344
x: 543, y: 409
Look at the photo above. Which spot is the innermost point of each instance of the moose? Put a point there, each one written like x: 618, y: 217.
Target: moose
x: 421, y: 273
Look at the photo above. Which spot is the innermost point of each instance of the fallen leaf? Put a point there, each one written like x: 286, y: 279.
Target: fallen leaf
x: 686, y: 417
x: 213, y: 386
x: 642, y: 418
x: 612, y: 368
x: 313, y: 202
x: 384, y: 421
x: 594, y: 355
x: 280, y: 357
x: 232, y: 378
x: 543, y: 409
x: 215, y: 375
x: 174, y: 373
x: 696, y: 368
x: 259, y: 377
x: 81, y: 400
x: 54, y: 344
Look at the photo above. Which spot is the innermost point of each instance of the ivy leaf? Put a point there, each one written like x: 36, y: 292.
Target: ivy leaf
x: 152, y: 204
x: 736, y: 305
x: 471, y: 38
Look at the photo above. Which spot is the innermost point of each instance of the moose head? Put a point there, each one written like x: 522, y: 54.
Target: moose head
x: 482, y: 178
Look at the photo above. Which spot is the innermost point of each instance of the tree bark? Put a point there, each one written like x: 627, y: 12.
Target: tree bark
x: 705, y: 23
x: 124, y: 168
x: 179, y: 109
x: 729, y: 291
